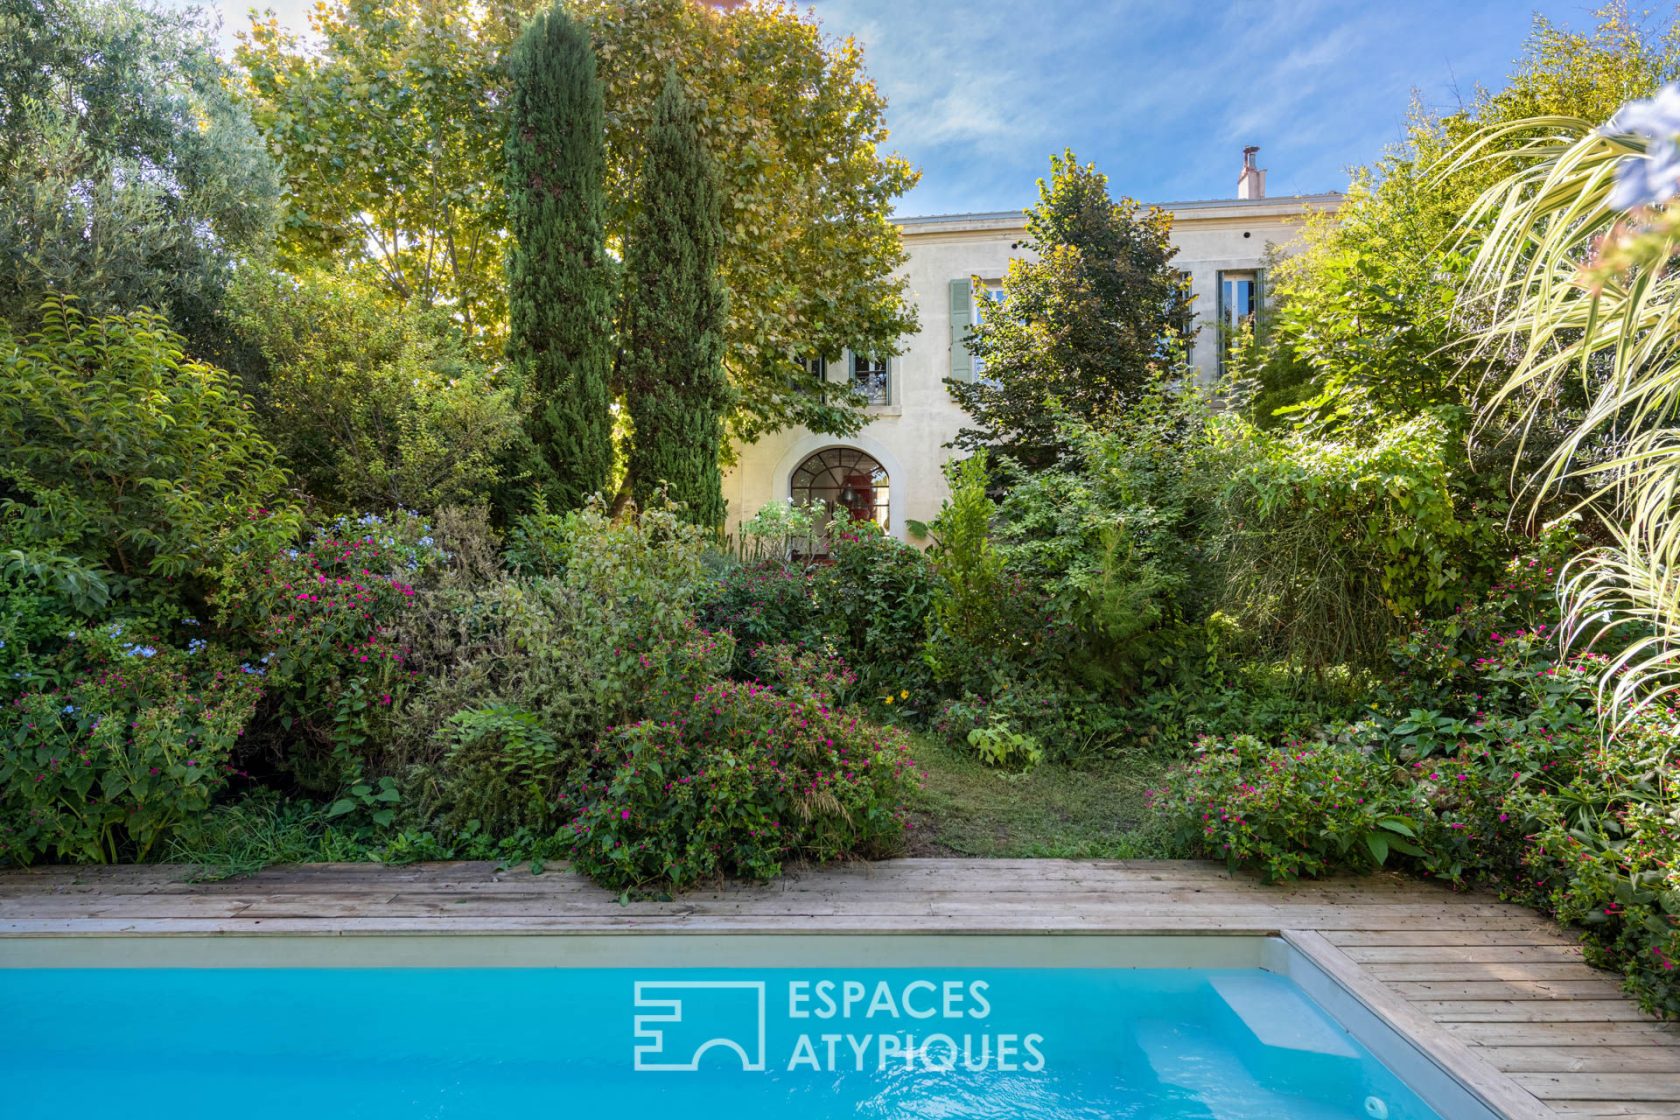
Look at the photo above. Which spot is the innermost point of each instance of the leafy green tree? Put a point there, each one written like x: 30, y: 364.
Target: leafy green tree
x: 123, y: 453
x: 129, y: 177
x: 1369, y: 322
x: 1083, y: 329
x: 390, y: 130
x: 674, y: 312
x: 373, y: 403
x: 391, y: 134
x: 560, y: 278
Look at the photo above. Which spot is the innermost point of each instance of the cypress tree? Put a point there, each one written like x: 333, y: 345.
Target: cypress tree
x: 674, y: 317
x: 560, y: 279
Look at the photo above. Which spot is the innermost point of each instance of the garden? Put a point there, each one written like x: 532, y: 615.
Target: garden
x: 365, y: 406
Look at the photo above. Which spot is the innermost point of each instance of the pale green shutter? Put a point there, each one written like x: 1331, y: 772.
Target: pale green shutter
x: 962, y: 319
x: 1259, y: 292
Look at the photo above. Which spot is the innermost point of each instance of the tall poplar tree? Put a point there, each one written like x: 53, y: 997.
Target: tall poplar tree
x: 675, y: 314
x: 560, y: 279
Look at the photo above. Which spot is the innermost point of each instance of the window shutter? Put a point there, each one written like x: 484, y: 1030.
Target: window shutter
x: 1259, y: 291
x: 962, y: 320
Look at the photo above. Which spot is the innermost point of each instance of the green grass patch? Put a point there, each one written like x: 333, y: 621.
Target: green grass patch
x: 1052, y: 811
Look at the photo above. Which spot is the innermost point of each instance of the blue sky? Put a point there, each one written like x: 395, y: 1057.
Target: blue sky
x: 1160, y: 94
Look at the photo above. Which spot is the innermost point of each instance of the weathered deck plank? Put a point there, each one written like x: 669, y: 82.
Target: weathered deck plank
x: 1484, y: 983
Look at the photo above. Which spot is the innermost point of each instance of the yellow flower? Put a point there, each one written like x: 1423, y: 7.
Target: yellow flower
x: 904, y: 694
x: 889, y: 699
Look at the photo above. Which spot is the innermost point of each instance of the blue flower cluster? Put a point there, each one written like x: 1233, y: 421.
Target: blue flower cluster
x: 1653, y: 177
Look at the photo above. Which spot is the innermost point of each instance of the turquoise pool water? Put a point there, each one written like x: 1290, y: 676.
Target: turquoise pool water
x: 702, y: 1044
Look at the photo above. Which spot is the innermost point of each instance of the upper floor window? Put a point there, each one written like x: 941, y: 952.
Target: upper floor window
x: 1239, y: 299
x: 816, y: 367
x: 871, y: 377
x: 1239, y: 302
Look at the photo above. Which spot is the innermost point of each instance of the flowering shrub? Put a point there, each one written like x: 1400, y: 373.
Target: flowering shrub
x: 762, y: 602
x: 818, y: 674
x: 324, y: 613
x: 737, y: 781
x: 1300, y: 810
x: 134, y: 746
x: 873, y: 602
x: 1505, y: 777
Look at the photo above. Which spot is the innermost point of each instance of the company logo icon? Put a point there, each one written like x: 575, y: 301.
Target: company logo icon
x: 678, y: 1023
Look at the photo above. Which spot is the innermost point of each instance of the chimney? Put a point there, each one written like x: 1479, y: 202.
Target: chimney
x: 1252, y: 182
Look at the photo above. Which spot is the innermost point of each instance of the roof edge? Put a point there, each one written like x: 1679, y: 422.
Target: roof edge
x: 1004, y: 218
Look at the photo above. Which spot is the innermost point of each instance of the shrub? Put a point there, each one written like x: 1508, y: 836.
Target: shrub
x: 1002, y: 746
x: 1299, y: 810
x: 818, y: 674
x: 324, y: 614
x: 375, y: 404
x: 126, y: 752
x: 126, y: 455
x: 736, y: 782
x: 1109, y: 556
x: 610, y: 636
x: 499, y: 769
x: 969, y: 602
x: 1485, y: 762
x: 763, y: 603
x: 873, y: 601
x: 1335, y: 548
x: 781, y: 531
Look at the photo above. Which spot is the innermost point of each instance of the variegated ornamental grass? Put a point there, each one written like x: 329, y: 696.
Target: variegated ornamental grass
x: 1571, y: 267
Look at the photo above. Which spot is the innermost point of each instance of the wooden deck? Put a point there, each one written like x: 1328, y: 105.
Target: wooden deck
x: 1494, y: 991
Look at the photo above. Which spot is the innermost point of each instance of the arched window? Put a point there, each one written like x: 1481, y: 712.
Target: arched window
x: 844, y: 477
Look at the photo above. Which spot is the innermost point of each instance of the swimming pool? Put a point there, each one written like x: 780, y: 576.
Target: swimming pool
x: 759, y: 1027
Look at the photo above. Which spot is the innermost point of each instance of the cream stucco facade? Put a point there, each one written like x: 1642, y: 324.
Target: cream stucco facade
x: 907, y: 435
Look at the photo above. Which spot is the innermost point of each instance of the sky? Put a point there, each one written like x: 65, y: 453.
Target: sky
x: 1161, y: 94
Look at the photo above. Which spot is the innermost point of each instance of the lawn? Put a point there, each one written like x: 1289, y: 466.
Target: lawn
x: 1051, y: 811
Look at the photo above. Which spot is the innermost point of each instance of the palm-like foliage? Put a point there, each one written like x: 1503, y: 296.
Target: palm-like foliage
x: 1581, y: 297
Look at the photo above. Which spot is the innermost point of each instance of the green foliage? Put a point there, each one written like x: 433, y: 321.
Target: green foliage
x: 764, y: 602
x: 1120, y: 541
x: 873, y: 600
x: 781, y: 530
x: 390, y: 128
x: 401, y: 179
x: 1576, y: 270
x: 1482, y: 761
x: 675, y: 311
x: 969, y: 598
x: 1080, y: 332
x: 374, y: 404
x: 1336, y: 546
x: 540, y: 542
x: 738, y: 780
x: 610, y: 632
x: 810, y: 256
x: 325, y: 615
x: 126, y: 461
x: 500, y: 769
x: 129, y: 177
x: 560, y: 277
x: 1300, y: 810
x: 1370, y: 318
x: 1001, y: 746
x: 806, y: 673
x: 127, y: 750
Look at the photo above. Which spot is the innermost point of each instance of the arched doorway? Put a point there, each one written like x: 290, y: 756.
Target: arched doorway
x: 844, y: 478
